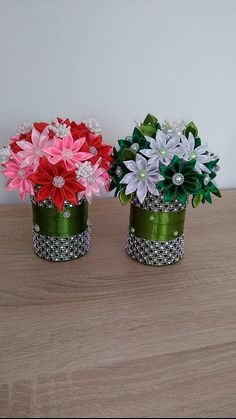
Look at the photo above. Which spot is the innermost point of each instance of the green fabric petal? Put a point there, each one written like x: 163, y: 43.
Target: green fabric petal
x: 170, y: 193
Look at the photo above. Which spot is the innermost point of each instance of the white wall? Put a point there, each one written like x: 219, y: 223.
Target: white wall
x: 119, y: 60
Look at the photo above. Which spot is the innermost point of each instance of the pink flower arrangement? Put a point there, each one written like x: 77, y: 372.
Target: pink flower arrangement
x: 60, y: 142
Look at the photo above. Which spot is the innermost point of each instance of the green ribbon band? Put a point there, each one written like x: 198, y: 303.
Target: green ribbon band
x: 69, y: 222
x: 157, y: 226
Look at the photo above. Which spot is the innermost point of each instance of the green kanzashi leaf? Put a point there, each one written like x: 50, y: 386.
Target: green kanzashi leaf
x: 197, y: 199
x: 124, y: 199
x: 150, y: 126
x: 127, y: 154
x: 191, y: 127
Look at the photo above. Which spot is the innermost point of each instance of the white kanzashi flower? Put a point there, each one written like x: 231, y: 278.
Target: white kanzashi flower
x: 60, y: 130
x: 93, y: 125
x: 199, y: 153
x: 5, y: 153
x: 173, y: 129
x: 24, y: 127
x: 162, y: 149
x: 142, y: 178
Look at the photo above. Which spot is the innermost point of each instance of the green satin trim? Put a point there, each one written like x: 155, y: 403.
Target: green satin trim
x: 157, y: 226
x: 53, y: 223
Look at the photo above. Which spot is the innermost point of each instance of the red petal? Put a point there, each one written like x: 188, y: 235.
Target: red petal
x: 40, y: 126
x: 58, y: 198
x: 70, y: 196
x: 47, y: 169
x: 74, y: 186
x: 44, y: 193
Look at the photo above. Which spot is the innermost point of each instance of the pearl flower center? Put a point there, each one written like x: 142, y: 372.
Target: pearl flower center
x: 178, y: 179
x: 58, y: 181
x: 142, y: 174
x: 206, y: 180
x: 193, y: 155
x: 93, y: 150
x: 162, y: 152
x: 134, y: 147
x: 118, y: 171
x: 67, y: 154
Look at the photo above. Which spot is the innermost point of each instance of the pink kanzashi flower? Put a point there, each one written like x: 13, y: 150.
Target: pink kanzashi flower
x: 32, y: 152
x: 18, y: 176
x: 67, y: 149
x: 92, y: 177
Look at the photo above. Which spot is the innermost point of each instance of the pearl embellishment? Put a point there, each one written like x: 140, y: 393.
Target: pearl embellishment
x: 178, y: 179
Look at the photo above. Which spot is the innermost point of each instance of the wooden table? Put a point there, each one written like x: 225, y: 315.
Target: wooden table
x: 105, y: 336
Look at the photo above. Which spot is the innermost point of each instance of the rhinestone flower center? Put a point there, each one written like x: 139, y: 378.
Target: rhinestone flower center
x: 58, y: 181
x: 142, y: 174
x: 93, y: 150
x: 178, y: 179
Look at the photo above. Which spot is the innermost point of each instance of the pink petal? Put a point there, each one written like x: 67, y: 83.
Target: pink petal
x: 68, y: 141
x: 81, y: 156
x: 78, y: 144
x: 55, y: 159
x: 13, y: 184
x: 54, y: 151
x: 25, y: 145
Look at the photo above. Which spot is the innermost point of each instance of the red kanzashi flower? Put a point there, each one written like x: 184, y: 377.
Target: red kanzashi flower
x: 95, y: 146
x: 56, y: 183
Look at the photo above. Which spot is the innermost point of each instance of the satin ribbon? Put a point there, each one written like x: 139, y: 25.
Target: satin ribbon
x: 157, y: 226
x: 54, y: 223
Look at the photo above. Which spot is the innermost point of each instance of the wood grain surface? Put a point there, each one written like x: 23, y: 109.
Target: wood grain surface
x: 105, y: 336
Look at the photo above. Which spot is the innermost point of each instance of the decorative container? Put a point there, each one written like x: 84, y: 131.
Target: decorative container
x: 156, y: 230
x: 157, y: 169
x: 60, y: 236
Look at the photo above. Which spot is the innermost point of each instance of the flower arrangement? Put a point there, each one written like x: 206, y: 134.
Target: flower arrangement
x: 169, y: 160
x: 62, y: 161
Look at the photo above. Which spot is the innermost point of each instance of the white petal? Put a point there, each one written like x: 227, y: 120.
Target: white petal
x: 173, y: 142
x: 131, y: 165
x: 191, y: 141
x: 203, y: 158
x: 153, y: 166
x: 201, y: 149
x: 141, y: 162
x: 153, y: 143
x: 131, y: 187
x: 203, y: 168
x: 186, y: 144
x: 130, y: 177
x: 161, y: 139
x: 152, y: 187
x: 149, y: 152
x: 141, y: 191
